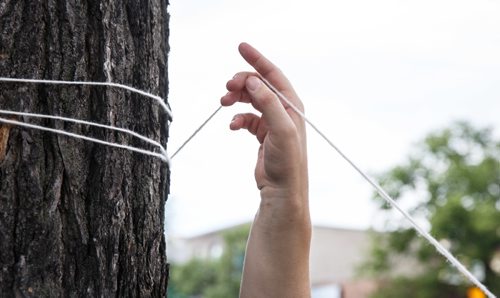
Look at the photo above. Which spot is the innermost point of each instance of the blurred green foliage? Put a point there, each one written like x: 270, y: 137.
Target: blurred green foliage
x: 212, y: 278
x: 451, y: 180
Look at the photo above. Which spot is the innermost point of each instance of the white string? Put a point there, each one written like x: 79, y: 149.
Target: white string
x: 44, y: 116
x: 158, y: 99
x: 90, y: 139
x: 388, y: 198
x: 195, y: 132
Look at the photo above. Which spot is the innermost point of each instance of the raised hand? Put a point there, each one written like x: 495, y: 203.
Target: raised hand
x: 277, y: 257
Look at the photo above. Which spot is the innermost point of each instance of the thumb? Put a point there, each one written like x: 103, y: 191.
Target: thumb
x: 268, y: 103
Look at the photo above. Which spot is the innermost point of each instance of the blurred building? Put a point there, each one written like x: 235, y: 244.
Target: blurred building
x: 336, y: 255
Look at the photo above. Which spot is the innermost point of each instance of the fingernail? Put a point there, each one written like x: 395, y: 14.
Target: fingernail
x: 233, y: 121
x: 253, y: 83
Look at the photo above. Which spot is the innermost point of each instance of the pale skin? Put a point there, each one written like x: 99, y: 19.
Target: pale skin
x: 277, y: 255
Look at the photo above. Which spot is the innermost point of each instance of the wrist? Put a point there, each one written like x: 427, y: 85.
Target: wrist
x: 284, y: 208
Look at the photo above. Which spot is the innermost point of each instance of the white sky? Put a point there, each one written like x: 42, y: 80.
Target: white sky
x: 375, y: 76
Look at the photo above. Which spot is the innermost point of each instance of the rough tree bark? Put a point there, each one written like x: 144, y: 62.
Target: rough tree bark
x: 79, y: 219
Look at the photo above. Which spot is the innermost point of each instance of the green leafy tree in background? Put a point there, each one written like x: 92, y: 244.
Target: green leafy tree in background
x: 212, y: 278
x: 455, y: 174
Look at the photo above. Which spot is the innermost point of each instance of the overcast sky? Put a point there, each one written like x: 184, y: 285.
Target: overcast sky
x: 375, y: 76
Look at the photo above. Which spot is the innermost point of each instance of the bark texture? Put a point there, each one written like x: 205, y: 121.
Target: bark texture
x: 78, y: 219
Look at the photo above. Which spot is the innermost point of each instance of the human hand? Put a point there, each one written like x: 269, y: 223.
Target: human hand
x: 281, y: 170
x: 277, y: 255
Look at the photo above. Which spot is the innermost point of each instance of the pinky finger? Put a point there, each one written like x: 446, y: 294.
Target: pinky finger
x: 251, y: 122
x: 247, y: 121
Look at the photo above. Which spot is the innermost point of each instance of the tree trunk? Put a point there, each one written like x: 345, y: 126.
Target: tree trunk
x: 79, y: 219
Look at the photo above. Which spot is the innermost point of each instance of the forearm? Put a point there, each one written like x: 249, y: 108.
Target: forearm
x: 277, y: 257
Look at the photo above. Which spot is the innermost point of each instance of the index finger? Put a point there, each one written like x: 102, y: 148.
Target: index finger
x: 269, y: 71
